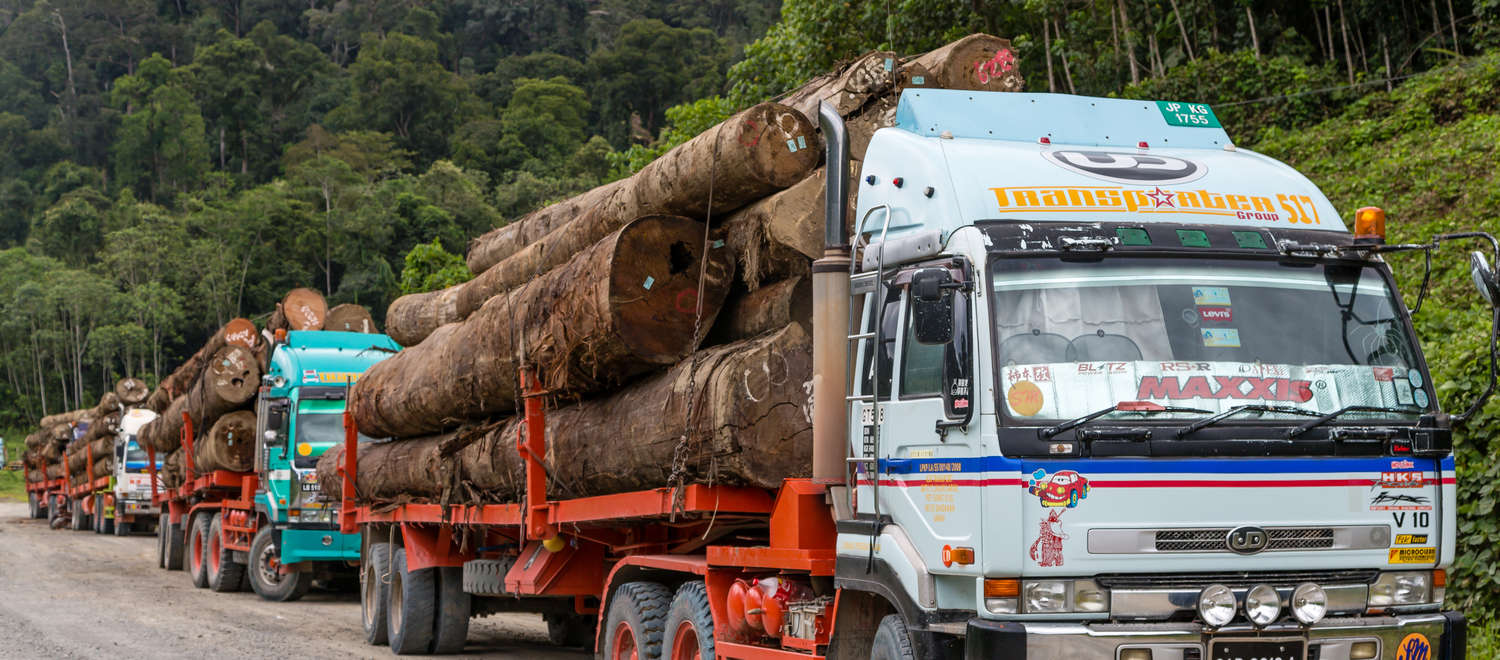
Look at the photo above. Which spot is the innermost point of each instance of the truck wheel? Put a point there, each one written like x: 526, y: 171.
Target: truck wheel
x: 224, y: 573
x: 98, y: 524
x: 197, y: 548
x: 375, y: 592
x: 121, y: 528
x: 634, y: 626
x: 892, y: 640
x: 413, y: 598
x: 689, y: 631
x: 79, y: 521
x: 161, y: 546
x: 573, y: 630
x: 266, y: 580
x: 451, y: 628
x: 54, y: 509
x: 172, y: 540
x: 32, y: 510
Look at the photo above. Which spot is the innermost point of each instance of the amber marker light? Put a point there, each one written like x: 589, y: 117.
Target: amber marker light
x: 1002, y: 588
x: 1369, y: 225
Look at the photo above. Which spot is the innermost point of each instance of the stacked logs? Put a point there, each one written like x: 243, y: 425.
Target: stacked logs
x: 60, y: 445
x: 702, y: 374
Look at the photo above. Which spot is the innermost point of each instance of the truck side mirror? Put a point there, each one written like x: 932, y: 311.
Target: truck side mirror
x: 932, y: 306
x: 1484, y: 277
x: 275, y: 422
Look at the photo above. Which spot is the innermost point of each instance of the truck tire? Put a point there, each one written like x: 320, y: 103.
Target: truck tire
x: 268, y: 582
x: 224, y: 573
x: 121, y: 528
x: 892, y: 640
x: 161, y: 545
x: 98, y: 524
x: 171, y: 541
x: 450, y: 630
x: 413, y: 599
x: 31, y: 507
x: 636, y: 621
x: 197, y: 548
x: 54, y: 507
x: 689, y: 630
x: 79, y: 521
x: 375, y: 592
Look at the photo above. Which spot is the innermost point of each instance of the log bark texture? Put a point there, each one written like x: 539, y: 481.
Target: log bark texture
x: 237, y: 332
x: 847, y: 88
x: 744, y: 409
x: 131, y: 391
x: 349, y: 317
x: 228, y: 445
x: 231, y: 379
x: 979, y: 62
x: 621, y: 308
x: 743, y: 159
x: 773, y: 306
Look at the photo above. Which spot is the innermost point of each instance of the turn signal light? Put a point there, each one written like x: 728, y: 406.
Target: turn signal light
x: 1369, y: 225
x: 1440, y: 578
x: 1002, y: 588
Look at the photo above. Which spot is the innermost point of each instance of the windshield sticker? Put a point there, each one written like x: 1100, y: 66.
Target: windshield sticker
x: 1216, y: 314
x: 1210, y: 295
x: 1025, y: 398
x: 1386, y: 500
x: 1224, y: 387
x: 1297, y: 209
x: 1221, y: 337
x: 1413, y: 556
x: 1420, y: 397
x: 1415, y: 377
x: 1403, y: 392
x: 1383, y: 374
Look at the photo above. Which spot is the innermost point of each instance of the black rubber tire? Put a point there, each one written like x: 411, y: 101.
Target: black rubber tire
x: 690, y: 607
x: 32, y: 510
x: 375, y: 593
x: 574, y: 630
x: 229, y: 573
x: 161, y: 544
x: 284, y: 588
x: 413, y: 601
x: 120, y: 528
x: 98, y: 525
x: 892, y: 640
x: 643, y: 607
x: 197, y: 549
x: 450, y: 626
x: 173, y: 542
x: 53, y: 507
x: 79, y: 521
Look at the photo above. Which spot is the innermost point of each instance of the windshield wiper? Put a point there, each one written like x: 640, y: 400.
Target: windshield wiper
x: 1210, y: 421
x: 1123, y: 406
x: 1324, y: 419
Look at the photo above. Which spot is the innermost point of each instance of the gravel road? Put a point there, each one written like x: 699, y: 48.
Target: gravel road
x: 70, y: 594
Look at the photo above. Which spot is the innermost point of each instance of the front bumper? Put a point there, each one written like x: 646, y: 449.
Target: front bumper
x: 1330, y: 639
x: 135, y: 507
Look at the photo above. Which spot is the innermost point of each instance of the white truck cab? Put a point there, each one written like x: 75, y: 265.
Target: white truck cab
x: 1124, y: 390
x: 132, y: 476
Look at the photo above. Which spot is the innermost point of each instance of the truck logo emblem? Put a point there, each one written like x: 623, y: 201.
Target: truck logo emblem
x: 1121, y: 167
x: 1247, y: 540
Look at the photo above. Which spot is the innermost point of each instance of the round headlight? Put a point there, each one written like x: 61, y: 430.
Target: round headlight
x: 1309, y: 603
x: 1216, y: 605
x: 1262, y: 604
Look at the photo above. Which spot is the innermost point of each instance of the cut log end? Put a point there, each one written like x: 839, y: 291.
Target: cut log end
x: 350, y: 318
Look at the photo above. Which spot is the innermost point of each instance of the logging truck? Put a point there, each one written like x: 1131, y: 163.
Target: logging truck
x: 116, y: 501
x: 1088, y: 381
x: 264, y: 528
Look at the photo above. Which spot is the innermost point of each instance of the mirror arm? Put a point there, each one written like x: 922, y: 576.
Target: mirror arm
x: 1489, y: 390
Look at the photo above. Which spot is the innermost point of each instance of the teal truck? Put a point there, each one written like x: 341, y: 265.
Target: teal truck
x: 265, y: 529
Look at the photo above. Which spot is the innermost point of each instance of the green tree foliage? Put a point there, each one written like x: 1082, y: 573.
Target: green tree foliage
x: 651, y: 67
x: 160, y: 147
x: 429, y: 267
x: 399, y: 87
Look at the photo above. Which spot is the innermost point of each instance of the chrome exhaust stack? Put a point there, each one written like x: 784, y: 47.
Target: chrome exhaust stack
x: 830, y: 290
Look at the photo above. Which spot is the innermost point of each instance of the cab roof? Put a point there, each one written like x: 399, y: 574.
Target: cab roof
x: 962, y: 157
x: 327, y: 358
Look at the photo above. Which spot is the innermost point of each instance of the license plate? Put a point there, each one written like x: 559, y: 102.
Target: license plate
x: 1291, y: 649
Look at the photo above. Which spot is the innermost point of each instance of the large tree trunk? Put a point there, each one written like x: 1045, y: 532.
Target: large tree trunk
x: 979, y: 62
x: 101, y: 435
x: 231, y: 379
x: 350, y: 318
x: 131, y: 391
x: 237, y: 332
x: 767, y: 309
x: 748, y: 156
x: 743, y: 407
x: 619, y: 309
x: 228, y: 445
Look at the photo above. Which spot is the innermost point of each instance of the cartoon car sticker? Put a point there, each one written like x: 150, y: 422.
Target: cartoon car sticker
x: 1064, y: 488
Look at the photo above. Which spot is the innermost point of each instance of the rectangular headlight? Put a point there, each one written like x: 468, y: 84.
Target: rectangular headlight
x: 1401, y: 588
x: 1061, y: 596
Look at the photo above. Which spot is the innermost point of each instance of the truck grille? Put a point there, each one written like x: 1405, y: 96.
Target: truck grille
x: 1236, y: 580
x: 1211, y: 540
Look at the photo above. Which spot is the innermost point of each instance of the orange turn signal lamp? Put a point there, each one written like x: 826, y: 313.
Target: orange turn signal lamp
x: 1002, y: 587
x: 1369, y: 225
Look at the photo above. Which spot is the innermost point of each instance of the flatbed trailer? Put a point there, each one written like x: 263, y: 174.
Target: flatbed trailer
x: 40, y: 494
x: 86, y: 501
x: 204, y: 527
x: 569, y: 559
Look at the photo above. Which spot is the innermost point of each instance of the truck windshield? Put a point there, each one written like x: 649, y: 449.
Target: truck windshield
x: 1074, y: 338
x: 136, y: 458
x: 319, y: 431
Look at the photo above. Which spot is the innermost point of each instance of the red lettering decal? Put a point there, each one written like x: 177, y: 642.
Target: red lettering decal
x: 1153, y: 387
x: 1216, y: 314
x: 1384, y: 374
x: 1229, y: 386
x: 1261, y: 388
x: 1301, y: 390
x: 1197, y: 388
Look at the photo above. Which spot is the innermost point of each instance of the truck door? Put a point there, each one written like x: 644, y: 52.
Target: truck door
x: 931, y: 462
